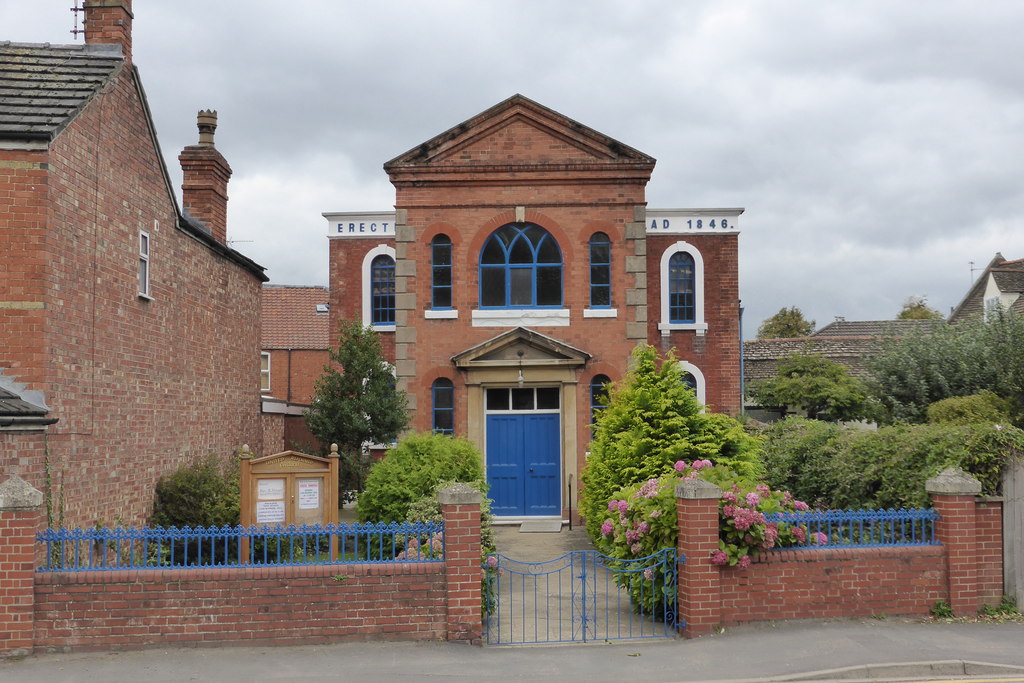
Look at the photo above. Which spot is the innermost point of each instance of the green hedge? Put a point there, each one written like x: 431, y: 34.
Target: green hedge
x: 205, y: 493
x: 838, y: 467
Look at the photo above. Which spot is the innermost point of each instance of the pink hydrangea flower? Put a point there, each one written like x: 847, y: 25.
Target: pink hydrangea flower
x: 492, y: 561
x: 623, y: 506
x: 698, y: 464
x: 642, y: 528
x: 719, y: 557
x: 728, y: 510
x: 649, y: 489
x: 763, y: 490
x: 649, y: 574
x: 636, y: 548
x: 744, y: 561
x: 613, y: 506
x: 655, y: 513
x: 799, y: 534
x: 800, y: 506
x: 680, y: 465
x: 607, y: 528
x: 753, y: 499
x: 820, y: 538
x: 730, y: 496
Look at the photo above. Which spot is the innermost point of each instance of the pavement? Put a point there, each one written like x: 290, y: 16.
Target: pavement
x: 878, y: 649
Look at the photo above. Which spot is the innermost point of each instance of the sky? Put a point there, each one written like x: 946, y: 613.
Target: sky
x: 877, y: 146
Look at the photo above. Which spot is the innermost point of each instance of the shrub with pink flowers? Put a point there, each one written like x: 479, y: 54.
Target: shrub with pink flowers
x: 641, y: 520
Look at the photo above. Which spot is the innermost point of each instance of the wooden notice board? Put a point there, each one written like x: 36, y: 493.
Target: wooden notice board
x: 289, y: 488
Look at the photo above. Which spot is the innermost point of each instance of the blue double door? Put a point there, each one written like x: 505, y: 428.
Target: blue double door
x: 523, y: 456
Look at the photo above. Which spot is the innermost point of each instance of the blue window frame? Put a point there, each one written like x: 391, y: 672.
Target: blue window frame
x: 600, y: 271
x: 690, y: 382
x: 598, y: 393
x: 520, y: 267
x: 681, y: 288
x: 382, y: 290
x: 443, y: 397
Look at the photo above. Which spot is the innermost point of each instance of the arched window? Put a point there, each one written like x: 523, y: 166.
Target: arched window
x: 600, y: 271
x: 441, y: 272
x: 598, y: 394
x: 682, y: 289
x: 694, y: 379
x: 520, y: 267
x: 443, y: 399
x: 382, y: 290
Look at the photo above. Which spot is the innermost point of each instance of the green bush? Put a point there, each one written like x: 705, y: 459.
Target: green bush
x: 412, y: 470
x: 800, y: 456
x: 651, y: 421
x: 428, y: 509
x: 984, y: 406
x: 205, y: 493
x: 841, y: 467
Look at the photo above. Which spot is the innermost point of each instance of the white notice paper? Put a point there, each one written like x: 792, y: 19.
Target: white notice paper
x: 309, y: 494
x: 270, y: 512
x: 270, y: 489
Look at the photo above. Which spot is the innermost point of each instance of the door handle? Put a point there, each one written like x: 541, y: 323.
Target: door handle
x: 531, y: 469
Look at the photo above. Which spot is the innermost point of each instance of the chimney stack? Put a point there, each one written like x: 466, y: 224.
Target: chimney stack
x: 206, y: 174
x: 109, y: 22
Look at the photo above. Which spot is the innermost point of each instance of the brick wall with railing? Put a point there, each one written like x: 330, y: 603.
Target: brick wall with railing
x: 206, y: 606
x: 964, y: 571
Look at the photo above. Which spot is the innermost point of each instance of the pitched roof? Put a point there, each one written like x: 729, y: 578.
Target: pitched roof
x: 291, y: 319
x: 485, y: 140
x: 1008, y: 276
x: 761, y: 356
x: 43, y: 86
x: 871, y: 328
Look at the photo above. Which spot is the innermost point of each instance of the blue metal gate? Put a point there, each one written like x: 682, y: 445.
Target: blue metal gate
x: 580, y: 597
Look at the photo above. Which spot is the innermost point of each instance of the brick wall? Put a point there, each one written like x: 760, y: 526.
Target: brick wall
x: 138, y: 608
x: 293, y: 372
x: 139, y: 385
x: 854, y: 582
x: 965, y: 571
x: 274, y: 605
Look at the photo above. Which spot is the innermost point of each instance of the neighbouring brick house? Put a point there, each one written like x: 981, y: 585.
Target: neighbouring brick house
x: 519, y: 270
x: 1001, y: 283
x: 129, y: 329
x: 295, y: 337
x: 848, y: 342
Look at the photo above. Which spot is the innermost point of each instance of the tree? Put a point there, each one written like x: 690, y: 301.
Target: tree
x: 787, y: 323
x: 355, y: 400
x: 651, y: 420
x: 917, y: 308
x: 924, y: 366
x: 818, y: 385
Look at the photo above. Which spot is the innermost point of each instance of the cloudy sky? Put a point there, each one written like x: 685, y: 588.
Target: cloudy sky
x: 877, y: 146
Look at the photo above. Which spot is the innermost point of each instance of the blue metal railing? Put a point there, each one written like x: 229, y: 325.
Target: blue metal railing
x: 237, y: 546
x: 859, y: 528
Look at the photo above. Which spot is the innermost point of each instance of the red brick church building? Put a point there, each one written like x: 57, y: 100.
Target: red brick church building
x: 519, y: 269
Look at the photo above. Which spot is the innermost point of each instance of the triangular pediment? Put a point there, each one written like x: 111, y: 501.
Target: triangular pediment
x: 520, y: 346
x: 519, y: 132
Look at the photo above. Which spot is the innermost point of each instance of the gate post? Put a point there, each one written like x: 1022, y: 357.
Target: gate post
x: 460, y: 507
x: 699, y: 593
x: 953, y: 494
x: 20, y: 517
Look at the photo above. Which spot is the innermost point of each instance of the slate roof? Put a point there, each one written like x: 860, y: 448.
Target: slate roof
x: 43, y: 86
x: 871, y: 328
x: 291, y: 319
x: 13, y: 404
x: 761, y: 356
x: 1009, y: 278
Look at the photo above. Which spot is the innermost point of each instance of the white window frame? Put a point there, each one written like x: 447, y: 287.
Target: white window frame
x: 145, y: 247
x: 265, y: 373
x: 380, y: 249
x: 698, y: 324
x: 698, y: 376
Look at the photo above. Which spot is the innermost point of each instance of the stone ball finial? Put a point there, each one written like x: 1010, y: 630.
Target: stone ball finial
x: 207, y: 122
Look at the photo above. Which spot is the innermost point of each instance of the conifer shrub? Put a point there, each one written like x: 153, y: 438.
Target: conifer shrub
x: 412, y: 470
x: 651, y: 421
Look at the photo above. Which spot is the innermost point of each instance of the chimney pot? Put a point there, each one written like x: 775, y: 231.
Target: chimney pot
x: 207, y: 122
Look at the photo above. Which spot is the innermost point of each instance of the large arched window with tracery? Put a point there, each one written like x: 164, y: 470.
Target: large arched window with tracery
x: 520, y: 267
